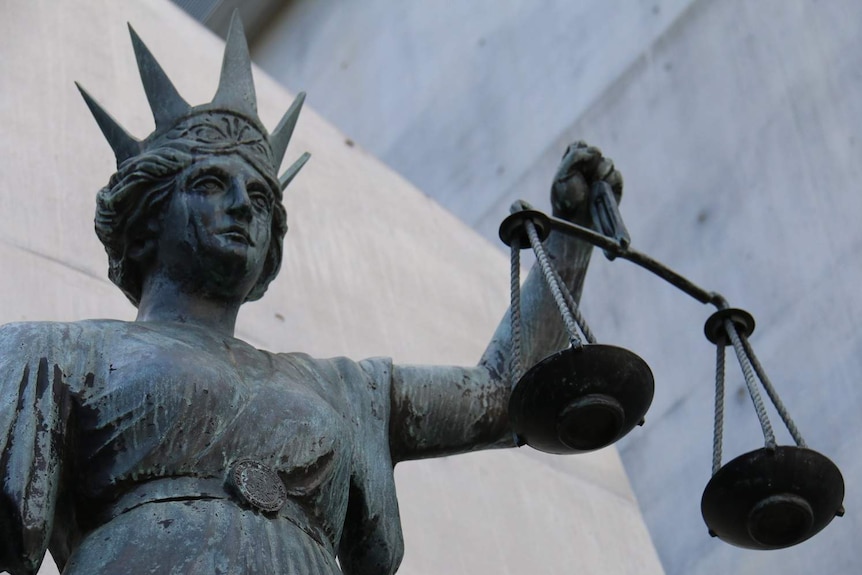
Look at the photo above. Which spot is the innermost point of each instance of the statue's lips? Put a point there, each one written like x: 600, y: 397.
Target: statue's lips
x: 237, y: 234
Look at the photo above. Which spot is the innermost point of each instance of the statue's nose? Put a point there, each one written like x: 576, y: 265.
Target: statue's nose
x: 240, y: 203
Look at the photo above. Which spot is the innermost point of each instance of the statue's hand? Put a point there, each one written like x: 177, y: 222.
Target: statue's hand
x: 581, y: 166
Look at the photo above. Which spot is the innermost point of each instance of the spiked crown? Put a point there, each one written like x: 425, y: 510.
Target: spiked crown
x: 230, y: 119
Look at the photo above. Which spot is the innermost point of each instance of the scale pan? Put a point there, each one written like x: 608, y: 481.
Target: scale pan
x: 771, y: 499
x: 581, y: 399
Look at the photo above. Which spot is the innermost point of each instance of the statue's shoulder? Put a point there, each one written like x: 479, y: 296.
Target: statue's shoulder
x: 344, y: 368
x: 321, y: 369
x: 36, y: 333
x: 362, y: 383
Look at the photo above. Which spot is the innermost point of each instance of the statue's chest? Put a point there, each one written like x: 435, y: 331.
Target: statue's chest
x: 169, y: 408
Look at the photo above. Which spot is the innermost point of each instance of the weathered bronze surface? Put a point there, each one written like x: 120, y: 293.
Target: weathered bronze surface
x: 166, y: 445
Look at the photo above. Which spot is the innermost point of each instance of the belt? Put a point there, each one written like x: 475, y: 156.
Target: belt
x: 249, y: 484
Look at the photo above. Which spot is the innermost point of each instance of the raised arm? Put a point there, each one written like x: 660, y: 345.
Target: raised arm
x: 440, y: 410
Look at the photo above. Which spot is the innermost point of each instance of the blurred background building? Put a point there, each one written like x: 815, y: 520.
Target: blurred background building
x: 736, y: 125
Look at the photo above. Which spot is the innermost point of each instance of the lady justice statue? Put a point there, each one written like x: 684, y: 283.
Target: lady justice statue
x: 165, y: 445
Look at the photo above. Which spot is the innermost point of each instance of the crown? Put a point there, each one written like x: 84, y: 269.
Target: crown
x: 231, y: 117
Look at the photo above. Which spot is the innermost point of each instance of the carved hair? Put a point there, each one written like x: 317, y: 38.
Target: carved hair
x: 129, y: 212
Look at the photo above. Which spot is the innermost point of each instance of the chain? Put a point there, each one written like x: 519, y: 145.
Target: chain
x: 542, y: 257
x: 772, y: 393
x: 515, y: 310
x: 573, y: 307
x: 718, y: 426
x: 750, y: 382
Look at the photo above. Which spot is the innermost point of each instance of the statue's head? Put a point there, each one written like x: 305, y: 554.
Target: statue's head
x: 221, y: 144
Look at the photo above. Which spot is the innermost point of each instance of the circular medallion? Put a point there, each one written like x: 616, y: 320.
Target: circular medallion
x: 258, y: 485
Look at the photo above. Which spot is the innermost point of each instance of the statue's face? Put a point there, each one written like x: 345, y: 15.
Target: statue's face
x: 216, y: 230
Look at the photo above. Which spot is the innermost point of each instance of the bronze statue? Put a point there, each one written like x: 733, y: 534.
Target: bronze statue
x: 166, y: 445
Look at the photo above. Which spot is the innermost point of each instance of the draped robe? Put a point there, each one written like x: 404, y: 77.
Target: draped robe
x: 116, y: 438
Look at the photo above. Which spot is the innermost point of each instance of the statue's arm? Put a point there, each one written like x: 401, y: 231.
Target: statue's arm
x: 440, y: 410
x: 34, y: 408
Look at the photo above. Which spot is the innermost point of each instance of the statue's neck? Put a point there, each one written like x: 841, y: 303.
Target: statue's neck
x: 164, y: 301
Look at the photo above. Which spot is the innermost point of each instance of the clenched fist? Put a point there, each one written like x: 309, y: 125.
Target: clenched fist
x: 582, y: 165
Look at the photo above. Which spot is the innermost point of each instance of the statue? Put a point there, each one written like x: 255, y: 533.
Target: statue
x: 165, y: 444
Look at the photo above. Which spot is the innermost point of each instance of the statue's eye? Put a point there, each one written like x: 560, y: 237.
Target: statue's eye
x: 209, y: 184
x: 259, y: 197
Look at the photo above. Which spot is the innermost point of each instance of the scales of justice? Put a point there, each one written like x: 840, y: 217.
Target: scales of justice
x: 125, y: 445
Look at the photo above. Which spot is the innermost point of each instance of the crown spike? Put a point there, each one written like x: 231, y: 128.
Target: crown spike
x: 236, y: 86
x: 124, y: 144
x: 291, y: 172
x: 280, y: 137
x: 166, y: 103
